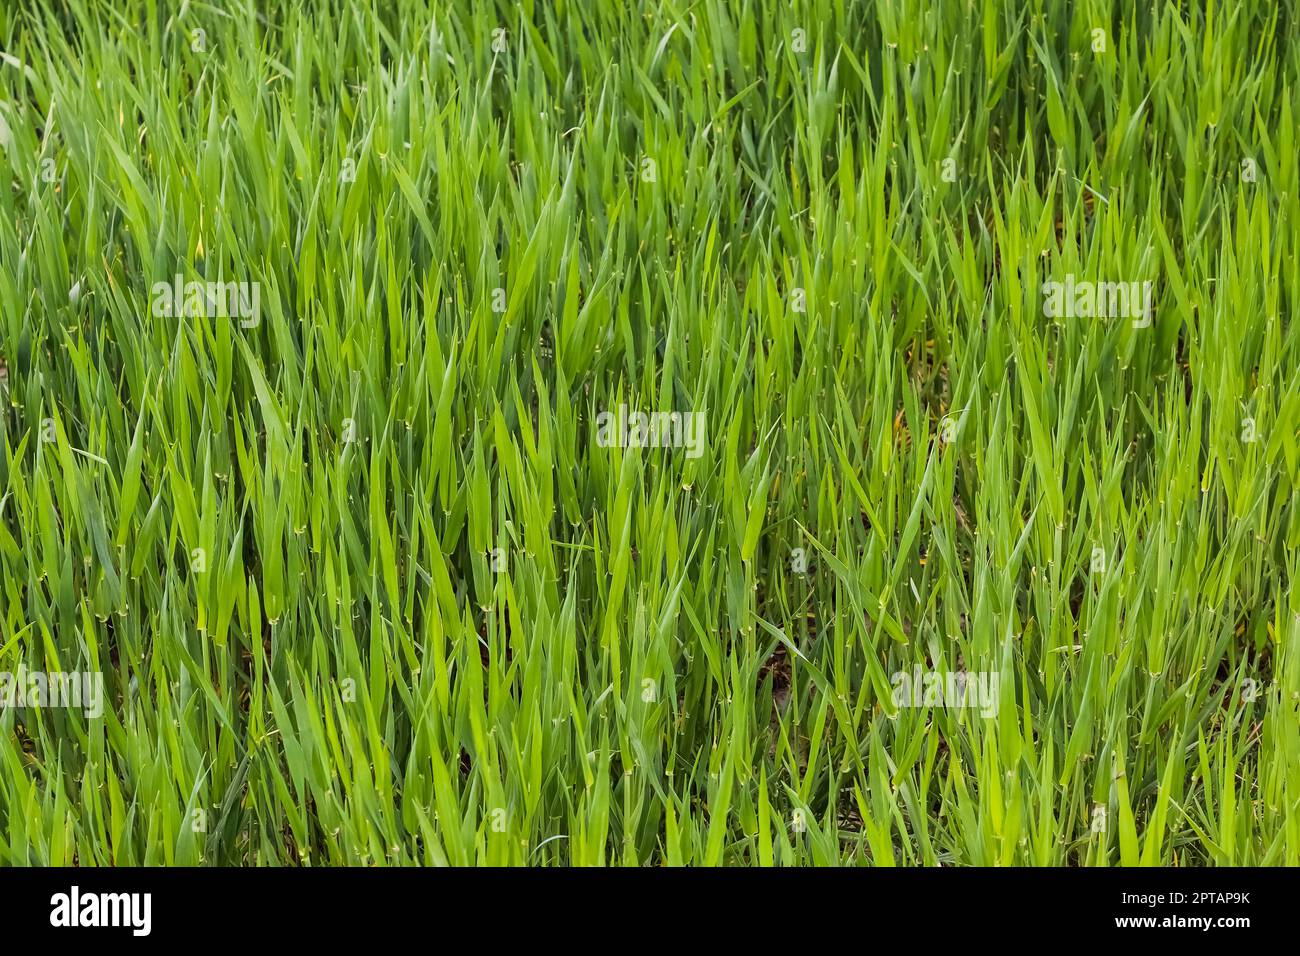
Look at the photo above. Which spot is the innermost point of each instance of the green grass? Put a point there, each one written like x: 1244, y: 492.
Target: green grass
x: 471, y: 634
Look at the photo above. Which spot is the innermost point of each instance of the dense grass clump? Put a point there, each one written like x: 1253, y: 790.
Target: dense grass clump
x: 964, y: 530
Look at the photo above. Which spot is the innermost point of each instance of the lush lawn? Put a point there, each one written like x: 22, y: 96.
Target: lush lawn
x: 369, y: 578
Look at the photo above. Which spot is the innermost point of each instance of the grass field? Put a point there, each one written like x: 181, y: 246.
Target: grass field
x: 973, y: 540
